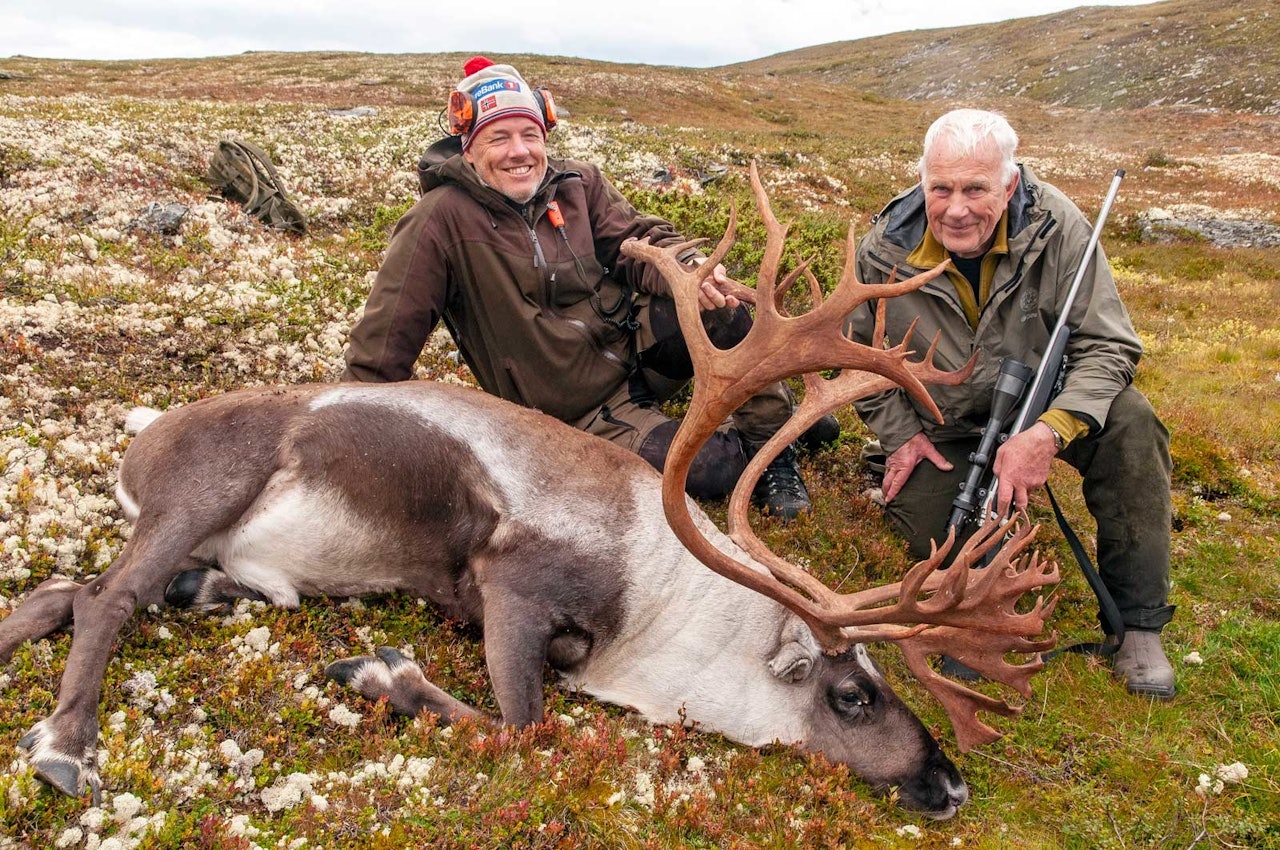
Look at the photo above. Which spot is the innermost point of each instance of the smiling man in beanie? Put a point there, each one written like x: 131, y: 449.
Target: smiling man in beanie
x: 520, y: 256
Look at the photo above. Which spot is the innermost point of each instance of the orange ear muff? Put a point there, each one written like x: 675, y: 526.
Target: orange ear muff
x: 548, y: 106
x: 462, y: 114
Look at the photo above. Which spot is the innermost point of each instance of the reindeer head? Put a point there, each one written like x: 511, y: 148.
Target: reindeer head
x: 966, y: 610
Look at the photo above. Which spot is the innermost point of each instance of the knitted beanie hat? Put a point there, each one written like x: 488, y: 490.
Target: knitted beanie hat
x: 497, y: 91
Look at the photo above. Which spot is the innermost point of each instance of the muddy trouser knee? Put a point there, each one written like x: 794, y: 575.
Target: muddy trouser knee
x: 1126, y: 485
x: 1127, y: 471
x: 666, y: 366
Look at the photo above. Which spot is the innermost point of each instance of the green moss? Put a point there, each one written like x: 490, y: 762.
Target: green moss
x: 1202, y: 466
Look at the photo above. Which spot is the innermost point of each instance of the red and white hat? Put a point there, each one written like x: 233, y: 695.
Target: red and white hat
x: 496, y: 91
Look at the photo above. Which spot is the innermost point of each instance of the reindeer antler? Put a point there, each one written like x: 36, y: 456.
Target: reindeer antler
x: 966, y: 610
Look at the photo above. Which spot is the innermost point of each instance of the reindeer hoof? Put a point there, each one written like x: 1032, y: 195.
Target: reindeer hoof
x: 368, y: 674
x: 393, y: 658
x: 60, y: 776
x: 60, y: 772
x: 185, y: 588
x: 346, y: 670
x: 391, y: 676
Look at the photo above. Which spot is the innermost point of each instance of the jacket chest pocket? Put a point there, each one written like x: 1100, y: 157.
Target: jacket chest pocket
x: 572, y: 281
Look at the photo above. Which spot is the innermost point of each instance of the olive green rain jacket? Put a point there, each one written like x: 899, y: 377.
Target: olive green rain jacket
x: 1046, y: 237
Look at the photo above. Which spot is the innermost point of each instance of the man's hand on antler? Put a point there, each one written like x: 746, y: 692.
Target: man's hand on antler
x: 899, y: 465
x: 720, y: 290
x: 1022, y: 465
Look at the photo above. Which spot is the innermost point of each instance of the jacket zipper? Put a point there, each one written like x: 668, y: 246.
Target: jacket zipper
x: 1049, y: 224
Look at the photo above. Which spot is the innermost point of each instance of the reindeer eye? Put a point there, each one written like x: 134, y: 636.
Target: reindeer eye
x: 851, y: 699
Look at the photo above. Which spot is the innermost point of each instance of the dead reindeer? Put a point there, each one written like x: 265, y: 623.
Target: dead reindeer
x: 567, y: 550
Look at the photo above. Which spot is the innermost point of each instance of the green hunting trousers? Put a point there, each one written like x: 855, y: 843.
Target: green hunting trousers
x: 1126, y: 469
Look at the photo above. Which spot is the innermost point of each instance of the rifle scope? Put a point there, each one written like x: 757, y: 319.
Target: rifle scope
x: 1010, y: 384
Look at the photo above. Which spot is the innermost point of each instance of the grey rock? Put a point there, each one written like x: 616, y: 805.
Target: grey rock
x: 1162, y: 227
x: 354, y: 112
x: 161, y: 218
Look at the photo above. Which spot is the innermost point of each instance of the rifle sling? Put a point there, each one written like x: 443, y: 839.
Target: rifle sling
x: 1110, y: 614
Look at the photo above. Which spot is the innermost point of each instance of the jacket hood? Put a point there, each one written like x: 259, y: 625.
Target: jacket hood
x: 444, y: 163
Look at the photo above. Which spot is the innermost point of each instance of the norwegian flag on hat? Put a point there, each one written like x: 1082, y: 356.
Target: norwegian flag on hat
x: 497, y: 91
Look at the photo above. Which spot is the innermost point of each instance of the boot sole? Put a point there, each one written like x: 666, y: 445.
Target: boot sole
x: 1154, y: 691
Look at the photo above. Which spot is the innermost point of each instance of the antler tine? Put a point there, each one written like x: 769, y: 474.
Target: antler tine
x: 971, y: 596
x: 775, y: 241
x: 777, y: 347
x: 878, y: 330
x: 789, y: 281
x: 961, y: 704
x: 815, y: 288
x: 986, y: 599
x: 678, y: 276
x: 823, y: 395
x: 849, y: 292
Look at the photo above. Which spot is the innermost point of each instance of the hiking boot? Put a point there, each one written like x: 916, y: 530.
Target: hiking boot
x: 821, y: 434
x: 780, y: 490
x: 875, y: 457
x: 1141, y: 664
x: 953, y: 669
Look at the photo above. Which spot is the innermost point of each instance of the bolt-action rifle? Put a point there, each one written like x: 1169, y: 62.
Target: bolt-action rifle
x: 978, y: 491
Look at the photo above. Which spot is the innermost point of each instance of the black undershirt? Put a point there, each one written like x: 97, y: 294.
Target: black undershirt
x: 971, y: 268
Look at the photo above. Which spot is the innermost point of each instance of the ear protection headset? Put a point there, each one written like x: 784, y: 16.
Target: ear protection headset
x: 462, y: 110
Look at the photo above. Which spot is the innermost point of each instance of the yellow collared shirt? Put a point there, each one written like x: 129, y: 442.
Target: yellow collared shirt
x: 930, y: 252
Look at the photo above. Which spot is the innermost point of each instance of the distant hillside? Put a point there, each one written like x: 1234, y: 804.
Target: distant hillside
x: 1180, y: 52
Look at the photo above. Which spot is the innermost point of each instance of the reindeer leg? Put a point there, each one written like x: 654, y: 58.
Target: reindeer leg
x: 395, y: 677
x: 44, y: 611
x: 61, y: 748
x: 517, y: 635
x: 49, y: 607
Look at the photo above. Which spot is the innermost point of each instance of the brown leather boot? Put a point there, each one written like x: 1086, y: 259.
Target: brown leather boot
x: 1141, y: 664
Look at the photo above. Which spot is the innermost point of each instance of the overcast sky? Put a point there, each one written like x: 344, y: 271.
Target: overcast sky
x: 697, y: 33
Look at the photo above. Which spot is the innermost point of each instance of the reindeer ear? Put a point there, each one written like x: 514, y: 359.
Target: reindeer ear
x: 792, y: 662
x: 797, y: 652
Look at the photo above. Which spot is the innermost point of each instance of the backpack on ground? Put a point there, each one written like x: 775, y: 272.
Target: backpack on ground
x: 242, y: 172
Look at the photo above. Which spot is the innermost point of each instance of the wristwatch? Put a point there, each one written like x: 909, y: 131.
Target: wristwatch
x: 1059, y: 442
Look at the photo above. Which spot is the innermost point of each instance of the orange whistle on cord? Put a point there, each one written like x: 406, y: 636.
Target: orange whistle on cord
x: 553, y: 213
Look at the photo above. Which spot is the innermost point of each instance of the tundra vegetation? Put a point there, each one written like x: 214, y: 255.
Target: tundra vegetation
x: 221, y: 732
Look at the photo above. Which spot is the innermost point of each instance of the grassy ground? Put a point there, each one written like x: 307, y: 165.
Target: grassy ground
x: 220, y: 731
